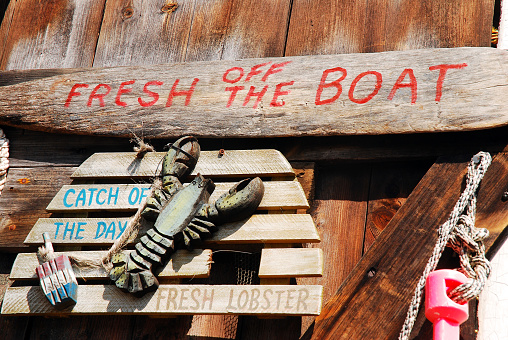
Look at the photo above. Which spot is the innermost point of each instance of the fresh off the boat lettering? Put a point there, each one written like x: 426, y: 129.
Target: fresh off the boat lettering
x: 237, y: 300
x: 398, y: 92
x: 239, y: 91
x: 100, y: 197
x: 77, y: 230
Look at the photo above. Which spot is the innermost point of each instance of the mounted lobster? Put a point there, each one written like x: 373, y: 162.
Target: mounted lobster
x: 181, y: 216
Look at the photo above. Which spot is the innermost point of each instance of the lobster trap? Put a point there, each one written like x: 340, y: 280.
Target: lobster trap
x: 245, y: 268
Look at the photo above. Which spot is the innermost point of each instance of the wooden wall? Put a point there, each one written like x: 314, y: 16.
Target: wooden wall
x: 360, y: 182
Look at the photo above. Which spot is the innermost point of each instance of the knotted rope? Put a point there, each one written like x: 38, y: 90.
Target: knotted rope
x: 459, y: 233
x: 4, y: 159
x: 133, y: 226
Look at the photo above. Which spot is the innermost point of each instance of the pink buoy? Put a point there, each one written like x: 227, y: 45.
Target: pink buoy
x: 443, y: 312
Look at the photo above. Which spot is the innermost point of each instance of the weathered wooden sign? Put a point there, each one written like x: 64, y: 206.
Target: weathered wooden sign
x: 380, y: 93
x: 176, y: 299
x: 275, y: 226
x: 261, y: 228
x: 126, y: 197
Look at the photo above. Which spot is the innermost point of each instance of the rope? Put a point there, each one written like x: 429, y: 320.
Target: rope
x: 132, y: 226
x: 4, y: 159
x: 142, y: 148
x: 459, y: 233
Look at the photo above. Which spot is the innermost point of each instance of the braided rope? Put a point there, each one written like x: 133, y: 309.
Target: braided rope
x: 4, y: 159
x: 459, y: 233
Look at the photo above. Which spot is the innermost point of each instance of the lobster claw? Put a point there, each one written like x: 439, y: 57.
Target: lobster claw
x: 180, y: 159
x: 241, y: 200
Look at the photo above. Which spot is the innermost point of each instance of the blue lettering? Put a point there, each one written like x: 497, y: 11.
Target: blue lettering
x: 80, y: 224
x: 101, y: 228
x: 92, y: 190
x: 112, y: 195
x: 121, y: 229
x: 97, y: 197
x: 69, y: 229
x: 111, y: 230
x: 144, y: 193
x: 134, y: 201
x: 67, y: 205
x: 58, y: 225
x: 81, y: 197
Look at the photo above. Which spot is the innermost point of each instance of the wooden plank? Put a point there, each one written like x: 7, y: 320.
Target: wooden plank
x: 6, y: 24
x: 390, y: 186
x: 394, y: 147
x: 291, y: 262
x: 14, y: 328
x: 233, y: 163
x: 339, y: 210
x: 393, y: 277
x: 183, y: 264
x: 303, y: 86
x: 24, y: 199
x: 140, y: 33
x: 279, y: 228
x: 127, y: 197
x: 28, y: 151
x: 321, y: 27
x: 62, y: 34
x: 112, y: 327
x: 174, y: 299
x: 223, y: 29
x: 256, y: 29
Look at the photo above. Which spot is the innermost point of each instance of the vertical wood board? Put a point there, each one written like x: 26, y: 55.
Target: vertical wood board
x: 61, y: 33
x: 343, y: 26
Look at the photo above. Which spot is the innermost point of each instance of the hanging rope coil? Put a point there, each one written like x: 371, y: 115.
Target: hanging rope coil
x: 459, y: 233
x: 4, y: 159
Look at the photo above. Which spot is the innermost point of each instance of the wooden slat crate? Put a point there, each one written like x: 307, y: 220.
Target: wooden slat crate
x: 275, y: 227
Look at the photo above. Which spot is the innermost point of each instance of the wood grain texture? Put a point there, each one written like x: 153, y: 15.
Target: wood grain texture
x: 256, y: 29
x: 226, y: 29
x: 219, y: 299
x: 5, y: 24
x: 382, y: 268
x: 183, y: 264
x: 367, y: 26
x: 278, y: 195
x: 262, y: 228
x: 62, y: 34
x: 233, y: 163
x: 296, y: 110
x: 339, y: 211
x: 291, y: 262
x: 391, y: 184
x: 25, y: 198
x: 136, y: 32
